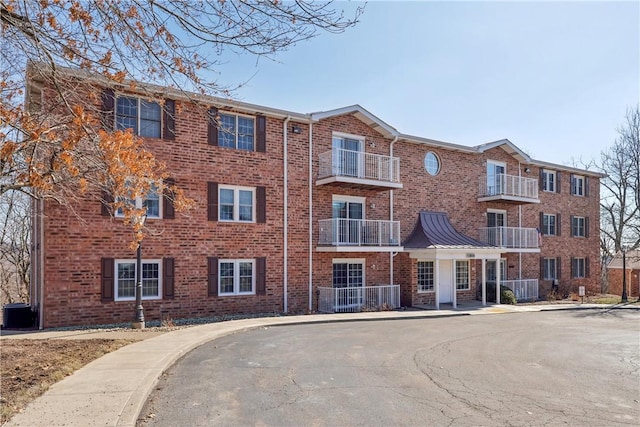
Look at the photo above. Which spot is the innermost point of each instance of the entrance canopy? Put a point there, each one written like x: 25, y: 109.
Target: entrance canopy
x: 434, y: 238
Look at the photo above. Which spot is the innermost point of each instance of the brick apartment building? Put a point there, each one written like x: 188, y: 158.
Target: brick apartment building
x: 328, y: 211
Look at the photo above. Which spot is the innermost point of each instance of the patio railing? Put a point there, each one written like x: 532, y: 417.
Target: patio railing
x: 361, y: 298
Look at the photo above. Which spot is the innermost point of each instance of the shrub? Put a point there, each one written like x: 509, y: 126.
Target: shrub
x: 506, y: 295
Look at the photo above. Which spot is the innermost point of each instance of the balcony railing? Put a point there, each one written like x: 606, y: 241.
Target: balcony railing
x: 362, y: 298
x: 508, y: 187
x: 358, y: 232
x: 523, y: 289
x: 510, y: 237
x: 358, y: 166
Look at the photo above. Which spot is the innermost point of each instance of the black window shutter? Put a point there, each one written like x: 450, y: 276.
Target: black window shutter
x: 558, y: 222
x: 168, y: 210
x: 212, y: 201
x: 573, y: 273
x: 261, y: 205
x: 541, y: 268
x: 261, y: 134
x: 587, y: 272
x: 212, y: 276
x: 586, y: 186
x: 107, y: 199
x: 261, y: 276
x: 558, y: 268
x: 573, y: 229
x: 169, y: 119
x: 107, y: 279
x: 572, y: 184
x: 108, y: 109
x: 541, y: 183
x: 586, y: 226
x: 558, y: 186
x: 212, y: 127
x: 168, y: 281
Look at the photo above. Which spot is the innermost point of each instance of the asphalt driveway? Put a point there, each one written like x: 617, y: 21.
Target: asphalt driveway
x: 547, y: 368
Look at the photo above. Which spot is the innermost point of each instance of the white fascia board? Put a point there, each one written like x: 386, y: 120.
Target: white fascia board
x: 371, y: 120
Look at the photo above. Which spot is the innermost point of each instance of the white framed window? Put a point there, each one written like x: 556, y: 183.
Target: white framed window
x: 125, y: 283
x: 496, y: 180
x: 577, y: 185
x: 578, y: 224
x: 549, y: 181
x: 236, y: 131
x: 426, y: 275
x: 548, y: 224
x: 578, y: 268
x: 462, y: 275
x: 549, y: 269
x: 432, y: 163
x: 348, y: 272
x: 492, y: 273
x: 152, y: 202
x: 143, y: 116
x: 236, y: 277
x: 236, y: 204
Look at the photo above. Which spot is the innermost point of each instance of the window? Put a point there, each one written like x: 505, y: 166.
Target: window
x: 548, y: 224
x: 492, y: 274
x: 126, y: 279
x: 548, y: 181
x: 578, y: 268
x: 236, y: 131
x: 151, y: 202
x: 144, y: 117
x: 347, y: 159
x: 348, y: 273
x: 432, y: 163
x: 425, y: 276
x: 462, y: 275
x: 236, y: 203
x: 496, y: 179
x: 577, y: 185
x: 549, y: 271
x: 348, y: 215
x: 236, y: 277
x: 578, y: 228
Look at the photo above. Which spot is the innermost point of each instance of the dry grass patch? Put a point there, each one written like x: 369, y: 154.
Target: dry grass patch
x: 28, y: 367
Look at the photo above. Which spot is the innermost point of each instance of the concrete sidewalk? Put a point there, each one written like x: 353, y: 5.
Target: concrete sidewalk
x: 112, y: 390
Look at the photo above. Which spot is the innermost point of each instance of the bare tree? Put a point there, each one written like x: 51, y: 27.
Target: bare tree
x: 52, y: 146
x: 620, y: 196
x: 15, y: 238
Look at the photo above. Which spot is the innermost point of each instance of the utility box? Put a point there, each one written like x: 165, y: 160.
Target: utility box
x: 17, y: 315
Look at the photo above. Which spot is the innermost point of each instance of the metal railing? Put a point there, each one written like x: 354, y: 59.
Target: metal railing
x: 358, y: 232
x: 361, y: 298
x: 510, y: 237
x: 509, y: 185
x: 523, y: 289
x: 358, y: 164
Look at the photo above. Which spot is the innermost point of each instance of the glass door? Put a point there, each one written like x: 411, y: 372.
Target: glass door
x: 348, y: 216
x: 347, y: 155
x: 495, y: 178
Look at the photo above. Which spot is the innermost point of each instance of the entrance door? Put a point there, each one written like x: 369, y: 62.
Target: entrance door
x: 348, y: 216
x: 495, y: 178
x: 445, y: 279
x: 348, y: 281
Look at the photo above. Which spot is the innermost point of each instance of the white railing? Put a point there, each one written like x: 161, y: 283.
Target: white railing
x: 509, y: 185
x: 523, y: 289
x: 510, y: 237
x: 355, y: 299
x: 358, y: 164
x: 358, y: 232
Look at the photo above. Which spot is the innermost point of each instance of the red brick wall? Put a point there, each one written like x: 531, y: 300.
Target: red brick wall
x: 615, y: 282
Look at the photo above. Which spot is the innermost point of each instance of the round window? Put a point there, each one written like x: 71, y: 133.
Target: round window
x: 432, y: 163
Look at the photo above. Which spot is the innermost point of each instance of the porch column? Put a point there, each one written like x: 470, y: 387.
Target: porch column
x: 455, y: 287
x: 484, y: 281
x: 498, y: 280
x: 437, y: 283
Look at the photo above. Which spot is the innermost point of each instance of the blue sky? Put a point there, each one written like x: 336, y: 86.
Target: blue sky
x: 555, y: 78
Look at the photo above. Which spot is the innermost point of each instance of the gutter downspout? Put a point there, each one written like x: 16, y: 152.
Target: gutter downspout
x: 310, y: 217
x: 286, y: 215
x: 520, y: 226
x: 40, y: 269
x: 391, y: 254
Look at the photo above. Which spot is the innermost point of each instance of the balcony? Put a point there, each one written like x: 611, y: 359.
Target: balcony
x: 359, y: 168
x: 513, y: 239
x: 358, y: 235
x: 508, y: 188
x: 355, y: 299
